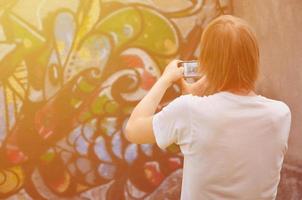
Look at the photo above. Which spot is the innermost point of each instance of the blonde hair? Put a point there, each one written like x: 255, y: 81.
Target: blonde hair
x: 229, y: 55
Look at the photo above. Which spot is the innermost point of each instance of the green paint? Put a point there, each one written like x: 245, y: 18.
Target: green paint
x: 48, y: 157
x: 122, y: 25
x: 111, y: 107
x: 158, y: 34
x: 86, y: 87
x: 74, y: 102
x: 97, y: 106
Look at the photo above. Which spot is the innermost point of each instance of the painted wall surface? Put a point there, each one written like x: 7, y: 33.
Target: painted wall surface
x: 278, y: 25
x: 71, y: 71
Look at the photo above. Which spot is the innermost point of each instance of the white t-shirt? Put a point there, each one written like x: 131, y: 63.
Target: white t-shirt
x: 233, y: 145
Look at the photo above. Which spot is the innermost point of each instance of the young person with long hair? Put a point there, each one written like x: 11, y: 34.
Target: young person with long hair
x: 232, y: 139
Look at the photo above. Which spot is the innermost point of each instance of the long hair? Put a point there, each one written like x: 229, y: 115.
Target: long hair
x: 229, y: 55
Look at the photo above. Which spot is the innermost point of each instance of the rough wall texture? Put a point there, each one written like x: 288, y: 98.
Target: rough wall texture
x: 278, y: 25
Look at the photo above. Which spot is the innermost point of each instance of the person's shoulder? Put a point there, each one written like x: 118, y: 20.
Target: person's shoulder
x: 199, y: 104
x: 195, y: 102
x: 277, y: 106
x: 190, y: 99
x: 182, y: 99
x: 205, y: 100
x: 180, y: 102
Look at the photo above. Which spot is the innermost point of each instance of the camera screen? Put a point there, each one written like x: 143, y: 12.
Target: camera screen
x: 191, y: 69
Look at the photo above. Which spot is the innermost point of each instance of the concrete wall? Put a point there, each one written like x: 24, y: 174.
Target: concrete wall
x: 278, y: 24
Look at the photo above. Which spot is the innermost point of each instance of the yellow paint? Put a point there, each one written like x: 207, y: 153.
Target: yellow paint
x: 33, y: 11
x: 27, y: 43
x: 61, y: 45
x: 14, y: 179
x: 171, y: 5
x: 85, y: 54
x: 17, y: 87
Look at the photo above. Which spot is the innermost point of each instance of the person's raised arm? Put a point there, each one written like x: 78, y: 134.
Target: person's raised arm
x: 139, y: 126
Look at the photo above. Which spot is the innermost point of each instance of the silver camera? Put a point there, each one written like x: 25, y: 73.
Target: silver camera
x: 191, y: 69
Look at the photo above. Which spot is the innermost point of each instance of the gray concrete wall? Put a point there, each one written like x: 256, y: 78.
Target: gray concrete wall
x: 278, y: 25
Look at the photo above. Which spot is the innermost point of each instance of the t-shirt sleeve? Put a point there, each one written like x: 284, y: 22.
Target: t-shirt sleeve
x: 172, y: 123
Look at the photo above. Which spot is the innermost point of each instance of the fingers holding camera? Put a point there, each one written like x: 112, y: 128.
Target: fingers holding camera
x: 172, y: 72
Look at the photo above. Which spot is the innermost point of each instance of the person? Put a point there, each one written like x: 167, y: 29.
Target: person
x: 232, y: 139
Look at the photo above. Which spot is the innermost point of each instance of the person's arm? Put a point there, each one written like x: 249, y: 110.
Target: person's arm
x: 139, y: 126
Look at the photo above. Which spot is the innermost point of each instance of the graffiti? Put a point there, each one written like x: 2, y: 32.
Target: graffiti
x: 70, y: 74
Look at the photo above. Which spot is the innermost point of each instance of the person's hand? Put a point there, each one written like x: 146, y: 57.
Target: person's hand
x: 172, y: 72
x: 197, y: 88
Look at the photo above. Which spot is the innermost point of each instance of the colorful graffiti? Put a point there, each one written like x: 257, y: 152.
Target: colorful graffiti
x: 70, y: 73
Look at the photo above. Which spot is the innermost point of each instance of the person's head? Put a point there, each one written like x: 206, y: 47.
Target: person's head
x: 229, y: 55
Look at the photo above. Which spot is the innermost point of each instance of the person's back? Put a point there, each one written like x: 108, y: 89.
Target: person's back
x: 235, y: 146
